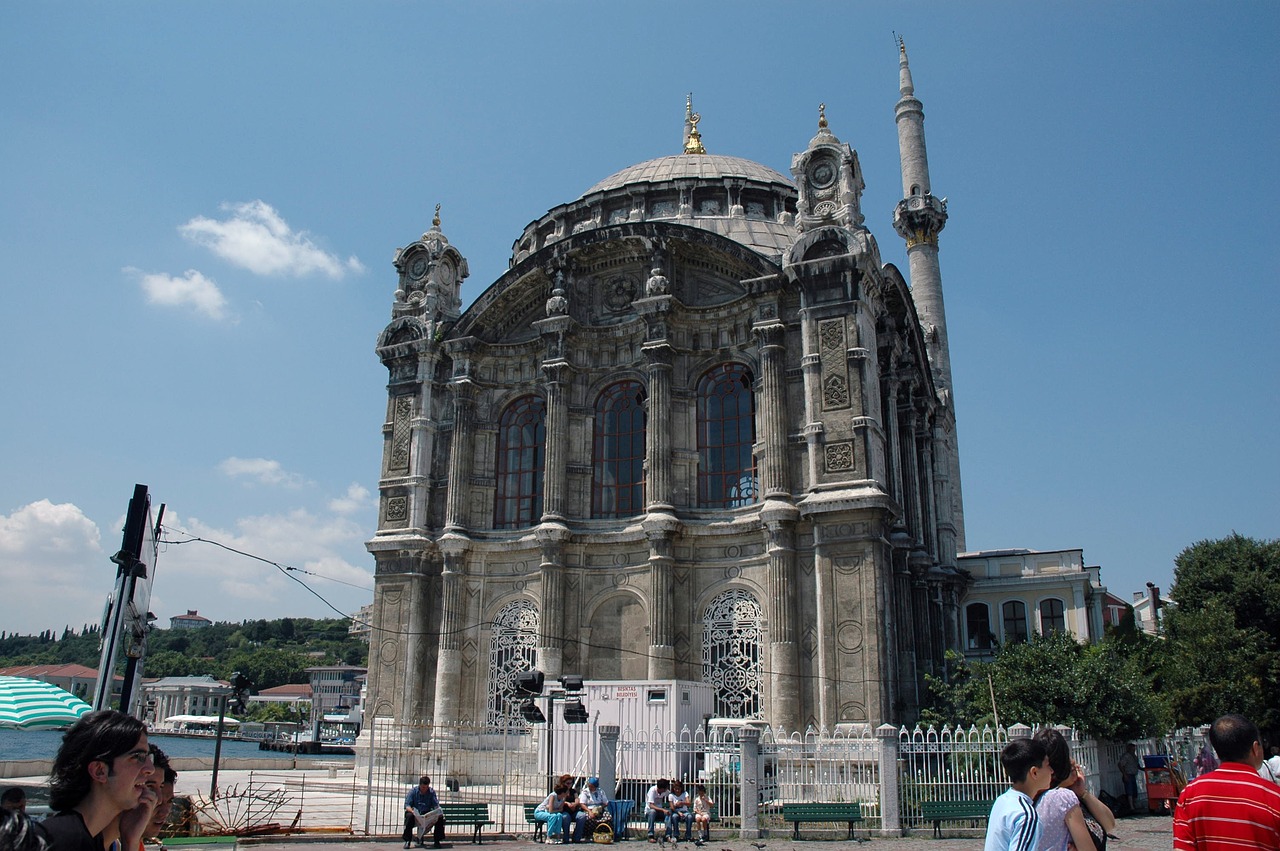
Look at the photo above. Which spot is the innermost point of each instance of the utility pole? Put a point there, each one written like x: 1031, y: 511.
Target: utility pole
x: 127, y: 616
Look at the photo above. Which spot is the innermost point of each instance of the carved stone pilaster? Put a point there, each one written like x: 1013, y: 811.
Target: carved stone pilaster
x: 551, y: 649
x: 658, y: 431
x: 784, y: 650
x: 775, y: 469
x: 661, y: 605
x: 556, y: 387
x: 460, y: 455
x: 452, y: 621
x: 893, y: 452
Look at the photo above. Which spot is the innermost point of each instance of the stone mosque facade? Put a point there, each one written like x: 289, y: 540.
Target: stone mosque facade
x: 696, y: 431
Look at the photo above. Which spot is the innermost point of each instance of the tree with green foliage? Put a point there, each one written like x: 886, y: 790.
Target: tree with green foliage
x: 267, y: 667
x: 1223, y: 632
x: 1050, y: 679
x: 271, y: 653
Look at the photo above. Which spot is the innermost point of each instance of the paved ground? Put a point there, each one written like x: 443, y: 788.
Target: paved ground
x: 1148, y: 833
x: 329, y: 802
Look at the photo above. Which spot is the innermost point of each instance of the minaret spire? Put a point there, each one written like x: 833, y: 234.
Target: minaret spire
x: 919, y: 218
x: 905, y: 86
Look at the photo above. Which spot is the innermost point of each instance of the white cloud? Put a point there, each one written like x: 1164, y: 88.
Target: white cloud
x: 190, y: 290
x: 356, y: 498
x: 257, y: 238
x: 227, y: 586
x: 263, y: 470
x: 53, y: 570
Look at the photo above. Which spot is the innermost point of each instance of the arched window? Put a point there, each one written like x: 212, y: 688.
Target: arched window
x: 617, y: 484
x: 977, y: 624
x: 1053, y: 616
x: 731, y: 638
x: 515, y: 639
x: 1015, y: 621
x: 522, y: 440
x: 726, y: 432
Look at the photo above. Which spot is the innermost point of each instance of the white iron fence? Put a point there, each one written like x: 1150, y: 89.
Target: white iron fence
x: 749, y: 772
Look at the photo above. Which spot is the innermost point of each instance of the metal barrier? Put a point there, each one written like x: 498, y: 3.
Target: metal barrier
x: 889, y: 772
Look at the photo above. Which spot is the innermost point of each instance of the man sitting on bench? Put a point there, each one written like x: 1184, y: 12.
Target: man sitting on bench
x: 422, y: 809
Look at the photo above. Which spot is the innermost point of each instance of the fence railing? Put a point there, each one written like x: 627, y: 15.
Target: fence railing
x: 889, y: 772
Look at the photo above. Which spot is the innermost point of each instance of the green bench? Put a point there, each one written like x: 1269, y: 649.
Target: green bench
x: 474, y: 815
x: 940, y: 811
x: 639, y: 818
x: 538, y: 826
x: 797, y: 813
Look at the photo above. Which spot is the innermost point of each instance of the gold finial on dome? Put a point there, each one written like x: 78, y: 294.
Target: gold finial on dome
x: 435, y: 220
x: 693, y: 145
x: 822, y: 116
x: 692, y: 138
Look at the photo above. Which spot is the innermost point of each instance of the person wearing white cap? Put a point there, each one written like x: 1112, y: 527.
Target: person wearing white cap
x: 596, y: 805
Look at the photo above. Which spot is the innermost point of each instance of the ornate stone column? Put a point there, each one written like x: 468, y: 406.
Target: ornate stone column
x: 658, y: 429
x: 662, y: 664
x: 452, y: 622
x: 785, y: 682
x: 421, y: 641
x: 461, y: 451
x: 775, y: 472
x: 555, y: 386
x: 911, y: 481
x: 779, y: 515
x: 551, y: 620
x: 557, y: 372
x: 894, y: 450
x: 928, y: 496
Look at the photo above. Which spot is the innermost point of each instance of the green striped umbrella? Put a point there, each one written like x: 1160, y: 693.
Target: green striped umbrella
x: 28, y: 704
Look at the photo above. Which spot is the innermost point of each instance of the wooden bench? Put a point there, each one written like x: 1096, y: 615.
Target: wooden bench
x: 940, y: 811
x: 797, y: 813
x: 475, y: 815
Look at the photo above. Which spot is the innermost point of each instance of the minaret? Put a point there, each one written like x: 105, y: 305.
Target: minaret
x: 918, y: 218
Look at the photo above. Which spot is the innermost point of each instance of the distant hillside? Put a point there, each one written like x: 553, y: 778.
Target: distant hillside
x: 271, y: 653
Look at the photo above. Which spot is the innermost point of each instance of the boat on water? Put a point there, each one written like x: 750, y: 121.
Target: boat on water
x: 196, y: 727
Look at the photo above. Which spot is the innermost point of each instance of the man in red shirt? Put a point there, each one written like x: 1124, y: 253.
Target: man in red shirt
x: 1231, y: 807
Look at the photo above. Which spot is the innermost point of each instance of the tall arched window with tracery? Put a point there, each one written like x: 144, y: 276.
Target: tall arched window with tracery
x: 731, y: 640
x: 726, y: 434
x: 522, y: 441
x: 617, y: 482
x: 513, y: 650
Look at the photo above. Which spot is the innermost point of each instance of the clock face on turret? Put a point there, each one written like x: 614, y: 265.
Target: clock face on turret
x: 822, y: 174
x: 418, y: 268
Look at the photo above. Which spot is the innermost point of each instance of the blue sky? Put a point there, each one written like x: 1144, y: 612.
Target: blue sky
x: 199, y: 204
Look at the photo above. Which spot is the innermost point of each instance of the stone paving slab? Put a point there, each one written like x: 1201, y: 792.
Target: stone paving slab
x: 1146, y: 833
x: 1136, y: 833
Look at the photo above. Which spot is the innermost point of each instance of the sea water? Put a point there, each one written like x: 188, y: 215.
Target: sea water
x: 43, y: 744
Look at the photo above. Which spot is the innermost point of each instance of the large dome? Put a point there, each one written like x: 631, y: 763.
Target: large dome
x: 738, y: 199
x: 685, y: 166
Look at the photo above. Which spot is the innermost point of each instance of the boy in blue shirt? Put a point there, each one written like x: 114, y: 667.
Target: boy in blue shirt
x: 1013, y: 825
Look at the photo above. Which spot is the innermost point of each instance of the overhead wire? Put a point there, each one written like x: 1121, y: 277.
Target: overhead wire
x: 287, y: 570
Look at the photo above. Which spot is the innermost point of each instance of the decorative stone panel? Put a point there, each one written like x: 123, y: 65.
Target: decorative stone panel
x: 401, y: 416
x: 395, y: 511
x: 838, y: 457
x: 835, y: 364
